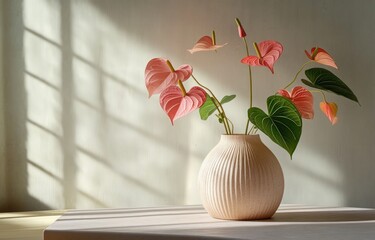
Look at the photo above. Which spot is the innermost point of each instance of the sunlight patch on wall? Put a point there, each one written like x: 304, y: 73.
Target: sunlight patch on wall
x: 131, y: 150
x: 85, y: 24
x: 43, y: 17
x: 44, y: 187
x: 86, y: 83
x: 42, y: 59
x: 112, y: 123
x: 318, y: 172
x: 98, y: 40
x: 42, y: 78
x: 90, y: 129
x: 99, y: 183
x: 44, y: 150
x: 200, y: 143
x: 124, y: 102
x: 124, y: 62
x: 87, y: 201
x: 43, y: 105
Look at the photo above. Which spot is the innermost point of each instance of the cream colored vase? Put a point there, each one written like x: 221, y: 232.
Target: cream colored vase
x: 241, y: 179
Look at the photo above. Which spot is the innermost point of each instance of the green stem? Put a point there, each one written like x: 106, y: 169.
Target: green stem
x: 217, y: 105
x: 295, y: 77
x: 251, y: 84
x: 232, y: 125
x: 319, y: 91
x: 250, y: 76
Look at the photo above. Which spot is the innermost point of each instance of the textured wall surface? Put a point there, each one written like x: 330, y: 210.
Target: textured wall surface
x: 2, y: 125
x: 82, y: 133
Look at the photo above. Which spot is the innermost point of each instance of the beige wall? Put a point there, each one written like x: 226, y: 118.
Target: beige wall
x: 83, y: 134
x: 2, y: 125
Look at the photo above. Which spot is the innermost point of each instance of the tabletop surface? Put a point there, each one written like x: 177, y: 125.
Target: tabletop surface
x: 192, y: 222
x: 26, y: 225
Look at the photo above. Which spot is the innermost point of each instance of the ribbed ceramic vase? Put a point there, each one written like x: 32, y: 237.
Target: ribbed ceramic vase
x: 241, y: 179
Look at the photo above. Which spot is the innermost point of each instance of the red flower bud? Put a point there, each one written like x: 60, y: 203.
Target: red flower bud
x: 241, y: 31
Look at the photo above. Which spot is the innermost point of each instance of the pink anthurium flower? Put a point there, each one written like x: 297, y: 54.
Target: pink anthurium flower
x: 268, y: 52
x: 160, y: 74
x: 302, y: 99
x: 206, y: 43
x: 330, y: 110
x: 321, y: 56
x: 176, y: 104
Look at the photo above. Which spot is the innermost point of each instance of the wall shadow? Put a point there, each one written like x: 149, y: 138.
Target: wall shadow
x: 324, y: 216
x: 15, y: 95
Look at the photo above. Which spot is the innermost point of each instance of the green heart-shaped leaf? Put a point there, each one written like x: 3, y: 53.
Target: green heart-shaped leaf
x: 227, y: 99
x: 283, y: 124
x: 325, y: 80
x: 209, y: 107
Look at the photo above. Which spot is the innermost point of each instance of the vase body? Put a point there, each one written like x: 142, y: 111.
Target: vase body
x: 241, y: 179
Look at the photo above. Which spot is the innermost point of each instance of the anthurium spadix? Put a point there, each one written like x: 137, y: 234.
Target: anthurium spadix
x: 321, y: 56
x: 206, y: 43
x: 160, y: 74
x: 267, y: 54
x: 177, y: 103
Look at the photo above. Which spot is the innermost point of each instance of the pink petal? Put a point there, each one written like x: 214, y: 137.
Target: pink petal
x: 322, y: 57
x: 330, y: 110
x: 158, y: 75
x: 205, y: 44
x: 285, y: 93
x: 252, y: 61
x: 308, y: 54
x: 302, y: 99
x: 176, y: 105
x: 269, y: 50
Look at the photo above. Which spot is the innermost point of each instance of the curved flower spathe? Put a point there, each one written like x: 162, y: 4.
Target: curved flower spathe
x: 176, y: 104
x: 268, y: 52
x: 206, y: 43
x: 160, y: 74
x: 321, y: 56
x: 302, y: 99
x: 330, y: 110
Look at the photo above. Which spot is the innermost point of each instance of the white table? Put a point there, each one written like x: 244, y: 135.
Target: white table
x: 192, y: 222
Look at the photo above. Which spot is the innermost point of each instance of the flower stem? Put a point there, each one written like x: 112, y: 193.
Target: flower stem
x: 218, y: 106
x: 232, y: 125
x: 295, y: 77
x: 319, y: 91
x: 251, y: 84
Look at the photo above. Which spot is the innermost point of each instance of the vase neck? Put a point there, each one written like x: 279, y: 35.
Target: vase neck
x: 240, y: 138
